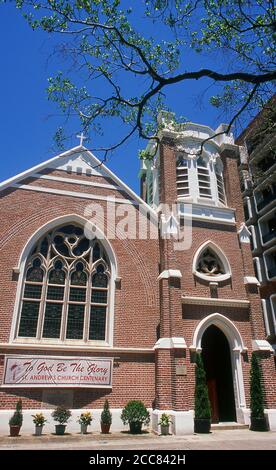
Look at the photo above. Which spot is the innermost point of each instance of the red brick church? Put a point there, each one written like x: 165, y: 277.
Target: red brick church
x: 112, y: 305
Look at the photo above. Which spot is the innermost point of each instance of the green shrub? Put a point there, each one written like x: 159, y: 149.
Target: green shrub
x: 202, y: 403
x: 61, y: 414
x: 17, y: 418
x: 135, y: 412
x: 106, y: 416
x: 256, y: 389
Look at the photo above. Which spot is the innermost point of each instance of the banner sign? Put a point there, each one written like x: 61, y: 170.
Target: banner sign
x: 47, y: 371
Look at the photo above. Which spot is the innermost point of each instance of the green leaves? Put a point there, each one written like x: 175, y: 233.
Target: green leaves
x: 256, y: 389
x: 120, y: 62
x: 202, y: 403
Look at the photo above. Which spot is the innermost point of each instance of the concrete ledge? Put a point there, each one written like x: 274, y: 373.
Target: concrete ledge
x: 271, y: 416
x: 72, y: 426
x: 182, y: 421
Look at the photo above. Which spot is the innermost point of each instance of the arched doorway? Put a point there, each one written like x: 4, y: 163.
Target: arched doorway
x: 217, y: 362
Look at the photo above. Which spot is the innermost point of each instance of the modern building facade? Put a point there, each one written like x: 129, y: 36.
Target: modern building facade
x: 108, y: 295
x: 258, y: 177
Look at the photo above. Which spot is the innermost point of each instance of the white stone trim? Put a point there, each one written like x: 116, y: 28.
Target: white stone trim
x: 251, y: 280
x: 262, y: 220
x: 236, y: 348
x: 225, y: 325
x: 70, y: 218
x: 244, y: 233
x: 64, y: 192
x: 72, y: 426
x: 194, y: 131
x: 261, y: 345
x: 273, y: 311
x: 61, y: 179
x: 189, y: 300
x: 182, y: 421
x: 16, y: 345
x: 171, y: 343
x: 169, y: 226
x: 257, y: 263
x: 271, y: 417
x: 5, y: 184
x: 104, y: 171
x: 265, y: 254
x: 204, y: 212
x: 247, y: 201
x: 170, y: 273
x: 266, y: 317
x: 221, y: 256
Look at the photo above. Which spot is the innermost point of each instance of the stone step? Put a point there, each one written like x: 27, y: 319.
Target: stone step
x: 227, y: 426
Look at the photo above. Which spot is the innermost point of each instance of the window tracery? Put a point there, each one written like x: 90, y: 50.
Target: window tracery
x: 66, y: 288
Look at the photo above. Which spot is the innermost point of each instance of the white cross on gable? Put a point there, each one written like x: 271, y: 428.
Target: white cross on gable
x: 81, y: 137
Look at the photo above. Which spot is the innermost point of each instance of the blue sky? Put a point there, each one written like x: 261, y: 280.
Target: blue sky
x: 29, y: 120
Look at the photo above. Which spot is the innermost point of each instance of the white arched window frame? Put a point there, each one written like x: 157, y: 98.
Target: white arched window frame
x: 110, y: 271
x: 221, y: 257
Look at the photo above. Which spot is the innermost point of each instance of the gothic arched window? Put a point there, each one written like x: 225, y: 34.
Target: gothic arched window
x: 210, y: 263
x: 65, y: 293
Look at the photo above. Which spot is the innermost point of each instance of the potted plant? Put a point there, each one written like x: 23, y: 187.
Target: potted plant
x: 258, y: 419
x: 135, y: 414
x: 202, y: 417
x: 39, y: 420
x: 85, y: 420
x: 62, y: 415
x: 16, y: 420
x: 106, y: 418
x: 165, y: 424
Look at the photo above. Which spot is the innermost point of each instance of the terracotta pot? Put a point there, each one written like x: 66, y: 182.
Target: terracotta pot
x: 202, y: 425
x: 105, y: 428
x: 14, y: 430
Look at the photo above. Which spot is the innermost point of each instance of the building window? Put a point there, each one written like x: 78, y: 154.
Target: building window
x: 270, y: 229
x: 245, y: 209
x: 265, y: 196
x: 203, y: 177
x: 182, y: 178
x: 270, y: 262
x: 211, y: 264
x: 220, y: 182
x: 66, y: 288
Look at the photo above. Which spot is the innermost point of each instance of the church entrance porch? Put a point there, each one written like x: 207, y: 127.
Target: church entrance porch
x: 218, y: 368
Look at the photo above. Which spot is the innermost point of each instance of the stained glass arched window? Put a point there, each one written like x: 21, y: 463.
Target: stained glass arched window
x: 65, y: 288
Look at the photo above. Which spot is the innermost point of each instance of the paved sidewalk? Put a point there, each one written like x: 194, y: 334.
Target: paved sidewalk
x: 238, y: 439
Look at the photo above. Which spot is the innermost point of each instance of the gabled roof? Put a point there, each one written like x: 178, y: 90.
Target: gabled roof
x: 77, y: 157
